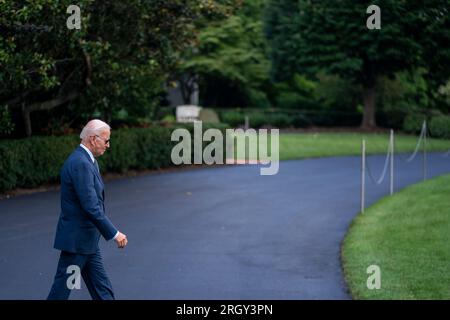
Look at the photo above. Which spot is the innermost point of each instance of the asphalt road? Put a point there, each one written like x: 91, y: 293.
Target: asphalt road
x: 213, y: 233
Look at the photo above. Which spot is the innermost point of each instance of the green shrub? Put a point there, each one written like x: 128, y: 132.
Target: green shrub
x: 257, y: 119
x: 413, y: 123
x: 33, y: 161
x: 258, y: 99
x: 440, y: 127
x: 233, y: 118
x: 37, y: 160
x: 300, y: 121
x: 281, y: 120
x: 169, y: 118
x: 289, y: 100
x: 208, y: 116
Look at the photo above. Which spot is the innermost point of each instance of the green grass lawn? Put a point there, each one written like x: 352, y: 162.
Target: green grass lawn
x: 408, y: 236
x: 313, y: 145
x: 309, y: 145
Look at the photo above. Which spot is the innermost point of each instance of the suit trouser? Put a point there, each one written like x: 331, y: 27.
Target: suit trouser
x: 92, y: 271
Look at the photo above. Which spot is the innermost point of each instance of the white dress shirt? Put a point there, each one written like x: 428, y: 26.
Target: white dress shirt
x: 88, y: 151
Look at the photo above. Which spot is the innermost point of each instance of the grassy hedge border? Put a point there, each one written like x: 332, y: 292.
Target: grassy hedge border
x: 31, y: 162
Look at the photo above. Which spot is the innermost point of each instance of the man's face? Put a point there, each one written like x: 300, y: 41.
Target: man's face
x: 100, y: 143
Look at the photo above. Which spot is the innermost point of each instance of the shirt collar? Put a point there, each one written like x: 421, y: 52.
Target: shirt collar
x: 89, y: 152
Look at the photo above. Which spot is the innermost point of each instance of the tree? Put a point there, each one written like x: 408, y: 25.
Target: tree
x: 311, y: 36
x: 229, y: 61
x: 119, y: 59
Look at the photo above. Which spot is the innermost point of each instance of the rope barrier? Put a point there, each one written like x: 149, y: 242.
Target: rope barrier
x: 365, y: 164
x: 422, y: 133
x: 383, y: 173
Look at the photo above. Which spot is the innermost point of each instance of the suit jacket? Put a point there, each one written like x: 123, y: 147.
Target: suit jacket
x: 82, y: 219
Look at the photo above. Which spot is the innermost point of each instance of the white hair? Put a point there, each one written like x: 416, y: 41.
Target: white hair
x: 93, y: 127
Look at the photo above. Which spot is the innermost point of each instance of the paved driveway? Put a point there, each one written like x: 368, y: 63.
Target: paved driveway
x: 213, y: 233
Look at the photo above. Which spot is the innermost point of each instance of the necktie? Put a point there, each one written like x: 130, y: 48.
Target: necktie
x: 96, y: 166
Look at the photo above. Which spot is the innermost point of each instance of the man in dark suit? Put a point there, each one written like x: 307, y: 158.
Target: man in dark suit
x: 83, y: 219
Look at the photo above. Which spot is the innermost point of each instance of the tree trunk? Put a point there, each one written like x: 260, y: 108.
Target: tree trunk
x: 185, y: 91
x: 47, y: 105
x: 187, y: 87
x: 26, y: 120
x: 369, y: 121
x: 57, y: 101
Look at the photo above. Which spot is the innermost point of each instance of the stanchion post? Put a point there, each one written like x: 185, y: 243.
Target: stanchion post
x: 425, y: 150
x: 363, y: 174
x: 391, y: 146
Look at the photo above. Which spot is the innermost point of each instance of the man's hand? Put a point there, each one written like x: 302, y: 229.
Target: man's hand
x: 121, y: 240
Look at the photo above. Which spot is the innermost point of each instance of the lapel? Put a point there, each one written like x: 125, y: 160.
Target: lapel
x: 97, y: 172
x: 93, y: 165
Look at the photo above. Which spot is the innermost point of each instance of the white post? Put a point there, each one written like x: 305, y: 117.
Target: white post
x: 424, y: 150
x: 246, y: 123
x: 391, y: 146
x: 363, y: 174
